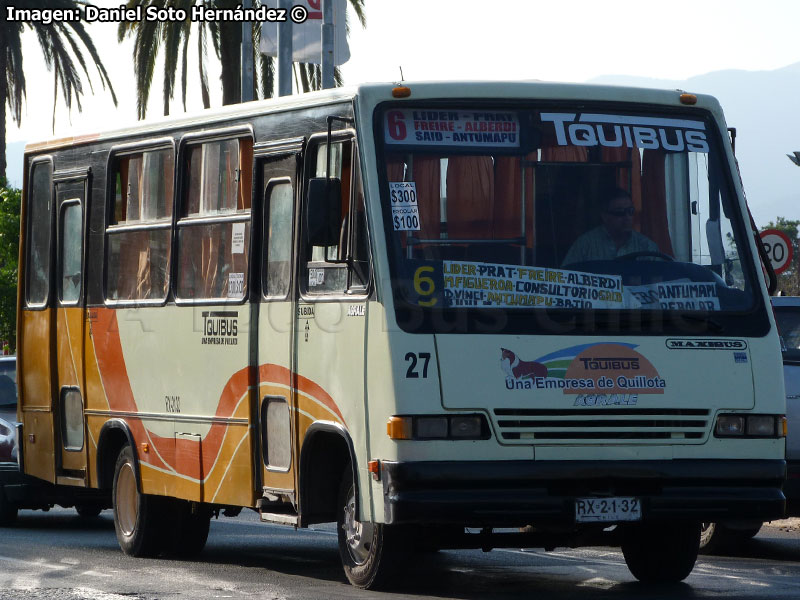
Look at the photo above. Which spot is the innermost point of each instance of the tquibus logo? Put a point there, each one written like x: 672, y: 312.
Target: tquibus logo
x: 614, y: 131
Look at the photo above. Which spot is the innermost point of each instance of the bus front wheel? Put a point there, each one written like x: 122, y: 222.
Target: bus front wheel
x: 661, y: 552
x: 137, y: 517
x: 367, y: 549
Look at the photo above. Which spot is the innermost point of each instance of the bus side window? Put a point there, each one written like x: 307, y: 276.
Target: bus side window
x: 333, y: 276
x: 140, y: 226
x: 321, y: 276
x: 37, y: 265
x: 278, y: 260
x: 214, y: 221
x: 359, y: 236
x: 70, y: 268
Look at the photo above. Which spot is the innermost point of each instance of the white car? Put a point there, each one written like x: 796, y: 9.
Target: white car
x: 716, y: 536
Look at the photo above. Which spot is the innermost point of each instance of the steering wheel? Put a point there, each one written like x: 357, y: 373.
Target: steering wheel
x: 645, y: 254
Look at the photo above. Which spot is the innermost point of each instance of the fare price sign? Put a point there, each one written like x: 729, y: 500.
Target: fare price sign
x: 779, y: 249
x: 405, y: 211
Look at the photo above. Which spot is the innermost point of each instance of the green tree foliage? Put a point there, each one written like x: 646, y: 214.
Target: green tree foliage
x: 9, y: 253
x: 789, y: 280
x: 171, y: 40
x: 61, y: 43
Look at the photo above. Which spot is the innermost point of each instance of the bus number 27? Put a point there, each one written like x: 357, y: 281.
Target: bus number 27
x: 413, y: 359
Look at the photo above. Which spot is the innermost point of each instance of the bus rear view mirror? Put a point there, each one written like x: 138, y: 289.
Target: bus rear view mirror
x: 323, y: 211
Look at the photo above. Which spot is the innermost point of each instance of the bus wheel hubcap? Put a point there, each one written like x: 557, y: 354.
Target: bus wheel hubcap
x: 126, y: 499
x: 358, y: 535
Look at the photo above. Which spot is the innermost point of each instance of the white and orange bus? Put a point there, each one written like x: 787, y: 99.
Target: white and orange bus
x: 437, y: 314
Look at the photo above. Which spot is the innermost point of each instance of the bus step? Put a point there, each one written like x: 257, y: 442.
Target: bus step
x: 282, y: 518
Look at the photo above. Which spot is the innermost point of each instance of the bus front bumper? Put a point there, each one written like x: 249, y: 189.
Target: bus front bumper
x: 517, y: 493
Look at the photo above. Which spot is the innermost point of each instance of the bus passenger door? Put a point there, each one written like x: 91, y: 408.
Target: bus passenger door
x: 276, y: 398
x: 333, y: 284
x: 36, y: 335
x: 70, y: 451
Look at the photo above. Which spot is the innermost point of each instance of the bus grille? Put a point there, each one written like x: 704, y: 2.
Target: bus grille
x: 602, y: 425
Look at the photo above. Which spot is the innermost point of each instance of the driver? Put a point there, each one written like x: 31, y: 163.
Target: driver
x: 615, y: 237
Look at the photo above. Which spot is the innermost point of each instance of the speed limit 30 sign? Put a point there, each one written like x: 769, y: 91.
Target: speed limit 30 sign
x: 778, y: 247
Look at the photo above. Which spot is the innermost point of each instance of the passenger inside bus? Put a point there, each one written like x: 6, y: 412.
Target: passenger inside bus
x: 615, y: 236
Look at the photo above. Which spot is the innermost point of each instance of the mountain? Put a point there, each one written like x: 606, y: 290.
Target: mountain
x: 763, y: 107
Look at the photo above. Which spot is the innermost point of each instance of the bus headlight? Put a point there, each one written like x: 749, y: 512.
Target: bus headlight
x: 728, y: 425
x: 430, y: 428
x: 466, y: 427
x: 761, y: 425
x: 438, y: 427
x: 756, y: 426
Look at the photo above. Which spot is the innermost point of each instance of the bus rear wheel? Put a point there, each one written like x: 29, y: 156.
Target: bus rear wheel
x: 717, y: 537
x: 661, y: 552
x: 190, y: 525
x: 88, y: 511
x: 368, y: 550
x: 8, y: 512
x: 137, y: 516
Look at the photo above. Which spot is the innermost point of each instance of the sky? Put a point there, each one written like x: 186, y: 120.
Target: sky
x: 563, y: 40
x: 555, y: 40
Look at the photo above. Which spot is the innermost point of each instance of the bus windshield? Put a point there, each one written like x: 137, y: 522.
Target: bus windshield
x: 573, y: 208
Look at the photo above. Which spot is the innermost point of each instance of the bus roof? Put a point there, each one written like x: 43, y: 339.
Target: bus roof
x: 373, y: 93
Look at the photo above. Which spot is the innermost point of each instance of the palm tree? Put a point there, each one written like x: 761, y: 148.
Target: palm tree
x: 226, y: 38
x: 61, y: 46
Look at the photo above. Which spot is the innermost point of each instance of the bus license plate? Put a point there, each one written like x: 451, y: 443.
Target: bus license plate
x: 593, y: 510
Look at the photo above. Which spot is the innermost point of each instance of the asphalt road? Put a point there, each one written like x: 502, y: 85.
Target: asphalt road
x: 61, y: 556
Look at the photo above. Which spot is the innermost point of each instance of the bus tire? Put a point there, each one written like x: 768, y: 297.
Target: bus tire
x: 191, y: 525
x: 138, y: 518
x: 8, y: 512
x: 742, y: 535
x: 709, y: 536
x: 661, y: 552
x: 716, y: 537
x: 368, y: 550
x: 88, y: 511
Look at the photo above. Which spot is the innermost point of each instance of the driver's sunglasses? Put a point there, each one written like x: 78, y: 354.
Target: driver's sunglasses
x: 622, y: 212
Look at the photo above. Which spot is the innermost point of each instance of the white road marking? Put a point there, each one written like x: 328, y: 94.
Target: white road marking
x: 598, y: 582
x: 33, y: 563
x: 96, y: 574
x: 564, y: 557
x: 25, y: 583
x: 285, y: 528
x: 93, y: 594
x: 704, y: 571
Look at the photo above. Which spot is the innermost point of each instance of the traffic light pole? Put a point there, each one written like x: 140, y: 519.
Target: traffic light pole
x: 328, y: 81
x: 285, y: 52
x: 247, y: 57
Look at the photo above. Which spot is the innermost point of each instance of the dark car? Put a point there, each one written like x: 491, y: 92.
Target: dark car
x: 20, y: 491
x: 9, y: 469
x: 716, y: 536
